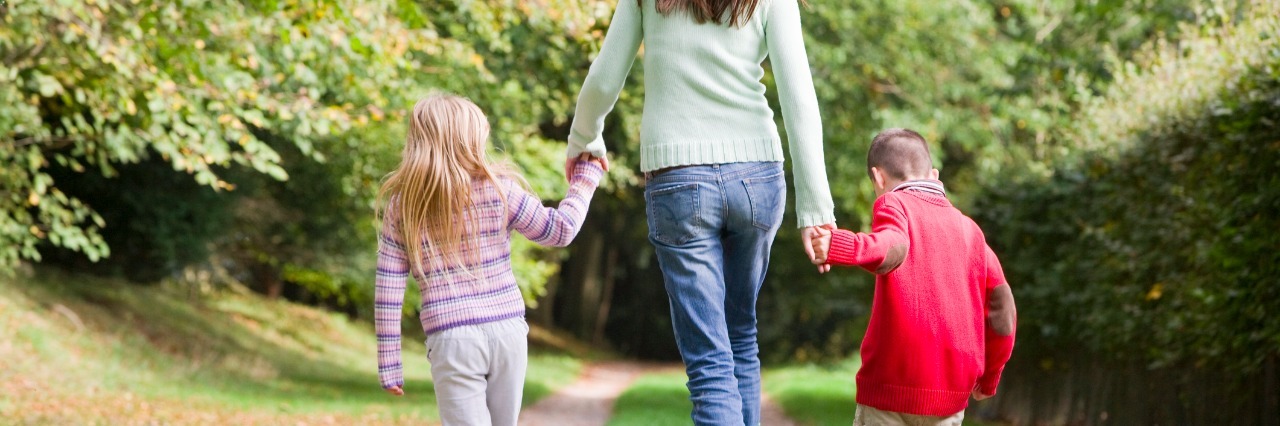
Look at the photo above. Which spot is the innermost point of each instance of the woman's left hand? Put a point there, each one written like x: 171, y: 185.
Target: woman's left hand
x: 812, y: 234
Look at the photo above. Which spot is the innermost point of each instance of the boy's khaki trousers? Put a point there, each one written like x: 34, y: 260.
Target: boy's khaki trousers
x: 870, y: 416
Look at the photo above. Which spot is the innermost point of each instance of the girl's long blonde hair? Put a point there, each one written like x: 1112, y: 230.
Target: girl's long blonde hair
x: 428, y: 195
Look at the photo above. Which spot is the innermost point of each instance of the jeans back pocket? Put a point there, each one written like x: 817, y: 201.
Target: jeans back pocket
x: 673, y: 213
x: 768, y: 196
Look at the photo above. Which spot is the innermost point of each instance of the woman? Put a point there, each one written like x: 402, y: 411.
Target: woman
x: 712, y: 161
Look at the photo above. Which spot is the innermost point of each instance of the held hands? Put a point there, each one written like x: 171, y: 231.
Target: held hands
x: 817, y: 244
x: 570, y: 163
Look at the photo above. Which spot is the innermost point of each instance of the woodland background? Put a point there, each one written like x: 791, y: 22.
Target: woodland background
x: 1123, y: 158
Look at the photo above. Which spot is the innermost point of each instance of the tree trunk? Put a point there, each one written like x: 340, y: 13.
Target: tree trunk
x: 1270, y: 393
x: 544, y: 313
x: 588, y: 312
x: 606, y: 297
x: 268, y: 281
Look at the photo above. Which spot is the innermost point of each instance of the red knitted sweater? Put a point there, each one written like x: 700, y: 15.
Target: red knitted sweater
x: 942, y: 319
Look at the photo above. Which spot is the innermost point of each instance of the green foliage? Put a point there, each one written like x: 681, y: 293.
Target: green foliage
x: 310, y: 89
x: 91, y: 85
x: 158, y: 220
x: 1154, y: 242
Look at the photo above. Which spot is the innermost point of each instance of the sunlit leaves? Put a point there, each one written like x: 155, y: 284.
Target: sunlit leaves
x: 198, y: 84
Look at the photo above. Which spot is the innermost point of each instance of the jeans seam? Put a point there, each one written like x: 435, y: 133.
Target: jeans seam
x: 724, y: 200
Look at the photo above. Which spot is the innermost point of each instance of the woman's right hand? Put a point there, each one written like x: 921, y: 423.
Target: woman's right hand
x: 396, y: 390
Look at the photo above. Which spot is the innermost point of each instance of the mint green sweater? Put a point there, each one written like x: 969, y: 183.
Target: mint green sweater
x: 704, y: 102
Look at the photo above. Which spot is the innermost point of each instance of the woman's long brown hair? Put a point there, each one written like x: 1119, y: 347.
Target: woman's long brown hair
x: 739, y: 11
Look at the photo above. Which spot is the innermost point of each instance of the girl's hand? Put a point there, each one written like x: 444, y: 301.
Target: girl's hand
x: 397, y: 391
x: 602, y: 161
x: 570, y: 163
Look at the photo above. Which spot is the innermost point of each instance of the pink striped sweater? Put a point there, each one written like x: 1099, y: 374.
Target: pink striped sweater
x: 485, y: 290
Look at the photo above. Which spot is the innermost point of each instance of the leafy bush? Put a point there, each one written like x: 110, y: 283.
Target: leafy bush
x: 1153, y: 244
x: 156, y: 220
x: 1157, y: 241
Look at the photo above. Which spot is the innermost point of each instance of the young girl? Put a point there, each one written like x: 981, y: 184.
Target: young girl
x: 713, y: 165
x: 447, y: 213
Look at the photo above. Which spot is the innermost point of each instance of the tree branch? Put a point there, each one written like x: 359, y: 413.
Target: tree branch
x: 52, y: 142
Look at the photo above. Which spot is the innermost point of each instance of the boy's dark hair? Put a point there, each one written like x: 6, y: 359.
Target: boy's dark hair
x: 899, y: 153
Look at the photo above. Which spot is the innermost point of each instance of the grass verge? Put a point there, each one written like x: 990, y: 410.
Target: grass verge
x: 76, y: 349
x: 815, y: 394
x: 820, y: 395
x: 654, y: 400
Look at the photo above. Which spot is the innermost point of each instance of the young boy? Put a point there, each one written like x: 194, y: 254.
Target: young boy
x: 943, y: 318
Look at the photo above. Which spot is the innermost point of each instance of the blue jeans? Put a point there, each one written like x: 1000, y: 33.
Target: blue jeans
x: 712, y: 227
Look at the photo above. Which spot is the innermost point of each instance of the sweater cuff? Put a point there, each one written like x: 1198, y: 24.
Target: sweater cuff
x: 577, y: 147
x: 589, y: 171
x: 391, y: 376
x: 843, y: 248
x: 987, y: 384
x: 807, y: 219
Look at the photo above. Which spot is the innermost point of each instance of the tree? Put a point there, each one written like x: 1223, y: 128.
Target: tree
x: 91, y: 86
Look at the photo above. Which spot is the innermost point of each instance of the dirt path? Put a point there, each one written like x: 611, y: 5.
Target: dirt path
x: 589, y: 400
x: 771, y: 414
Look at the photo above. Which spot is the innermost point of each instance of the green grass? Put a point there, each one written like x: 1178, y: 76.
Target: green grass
x: 548, y: 371
x: 813, y: 394
x: 654, y: 400
x: 122, y: 353
x: 820, y: 395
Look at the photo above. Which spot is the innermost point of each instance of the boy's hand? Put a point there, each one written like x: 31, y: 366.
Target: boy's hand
x: 978, y: 395
x: 397, y: 391
x: 817, y: 242
x: 821, y: 247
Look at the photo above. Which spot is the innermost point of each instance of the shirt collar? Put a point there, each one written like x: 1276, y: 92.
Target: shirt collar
x: 923, y: 185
